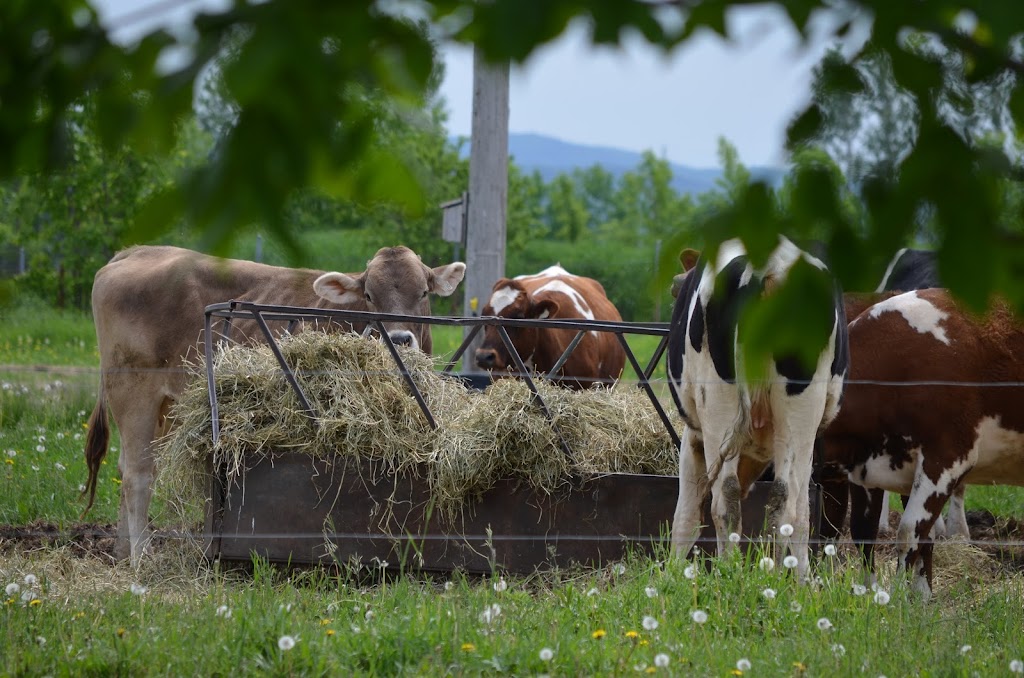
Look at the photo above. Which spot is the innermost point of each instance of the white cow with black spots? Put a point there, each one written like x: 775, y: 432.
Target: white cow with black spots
x: 734, y: 429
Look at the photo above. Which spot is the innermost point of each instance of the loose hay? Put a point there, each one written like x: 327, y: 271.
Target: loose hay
x: 366, y: 411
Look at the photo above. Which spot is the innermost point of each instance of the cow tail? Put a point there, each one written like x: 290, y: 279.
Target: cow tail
x: 97, y: 440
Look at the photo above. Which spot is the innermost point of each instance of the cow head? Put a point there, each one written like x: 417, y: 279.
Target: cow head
x: 395, y: 281
x: 688, y: 259
x: 509, y: 299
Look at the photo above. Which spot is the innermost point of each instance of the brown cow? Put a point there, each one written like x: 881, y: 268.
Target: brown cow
x: 148, y: 304
x: 557, y: 294
x: 933, y: 402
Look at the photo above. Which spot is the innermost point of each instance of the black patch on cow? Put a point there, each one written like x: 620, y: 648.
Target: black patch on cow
x: 697, y: 328
x: 723, y: 312
x: 797, y: 376
x: 677, y: 334
x: 913, y: 270
x: 841, y: 355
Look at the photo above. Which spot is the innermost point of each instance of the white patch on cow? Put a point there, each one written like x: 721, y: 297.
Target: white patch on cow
x: 996, y: 455
x: 888, y: 271
x: 877, y: 472
x: 581, y: 305
x: 919, y: 313
x: 503, y: 298
x: 549, y: 272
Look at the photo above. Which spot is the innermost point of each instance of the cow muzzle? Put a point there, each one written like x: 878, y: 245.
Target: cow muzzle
x: 488, y: 359
x: 403, y: 338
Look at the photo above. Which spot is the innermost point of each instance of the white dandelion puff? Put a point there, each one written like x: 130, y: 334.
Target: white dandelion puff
x: 769, y: 594
x: 734, y: 537
x: 592, y: 592
x: 285, y: 643
x: 224, y: 611
x: 830, y: 549
x: 448, y: 586
x: 619, y: 568
x: 12, y: 588
x: 824, y: 624
x: 651, y: 592
x: 31, y: 580
x: 859, y: 589
x: 650, y: 623
x: 789, y: 562
x: 546, y: 654
x: 690, y: 572
x: 699, y: 616
x: 881, y: 597
x: 500, y: 585
x: 838, y: 649
x: 795, y: 606
x: 786, y: 530
x: 490, y: 614
x: 743, y: 664
x: 137, y: 589
x: 767, y: 564
x: 1017, y: 666
x: 661, y: 660
x: 964, y: 649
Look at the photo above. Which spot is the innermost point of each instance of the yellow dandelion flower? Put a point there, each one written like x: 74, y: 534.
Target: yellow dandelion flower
x: 632, y: 635
x: 650, y: 669
x: 468, y: 647
x: 599, y: 634
x: 10, y: 462
x: 120, y: 632
x: 36, y: 602
x: 799, y: 666
x: 736, y: 672
x: 330, y: 632
x: 79, y: 615
x: 117, y: 481
x: 325, y: 622
x: 643, y: 642
x: 85, y: 426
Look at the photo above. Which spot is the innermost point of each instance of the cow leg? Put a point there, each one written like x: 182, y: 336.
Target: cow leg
x: 865, y: 507
x: 789, y: 503
x: 686, y: 522
x: 138, y: 417
x: 914, y: 536
x: 883, y: 513
x: 725, y: 505
x: 956, y: 516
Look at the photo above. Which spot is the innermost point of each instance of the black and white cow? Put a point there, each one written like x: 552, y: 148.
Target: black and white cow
x: 735, y: 429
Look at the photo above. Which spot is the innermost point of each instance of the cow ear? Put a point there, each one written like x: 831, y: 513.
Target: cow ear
x: 447, y: 278
x: 688, y: 258
x: 545, y: 308
x: 339, y: 288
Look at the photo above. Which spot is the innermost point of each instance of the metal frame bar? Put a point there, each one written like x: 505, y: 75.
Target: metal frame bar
x: 264, y: 313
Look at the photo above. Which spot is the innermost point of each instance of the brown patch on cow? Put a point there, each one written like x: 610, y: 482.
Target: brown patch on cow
x: 749, y: 470
x: 776, y: 501
x: 762, y: 428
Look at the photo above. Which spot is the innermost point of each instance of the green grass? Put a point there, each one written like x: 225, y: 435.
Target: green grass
x: 88, y: 621
x: 33, y: 336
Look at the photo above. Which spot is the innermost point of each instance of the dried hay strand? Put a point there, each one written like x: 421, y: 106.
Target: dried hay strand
x: 956, y: 562
x: 366, y: 411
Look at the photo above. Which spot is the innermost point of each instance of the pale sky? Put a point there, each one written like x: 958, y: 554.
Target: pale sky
x: 632, y: 97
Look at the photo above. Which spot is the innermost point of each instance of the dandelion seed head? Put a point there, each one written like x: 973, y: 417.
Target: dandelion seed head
x: 651, y: 592
x: 369, y: 615
x: 690, y: 572
x: 619, y: 568
x: 1017, y: 666
x: 12, y: 589
x: 31, y: 580
x: 789, y: 562
x: 661, y: 660
x: 743, y: 664
x: 650, y: 623
x: 448, y: 586
x: 881, y: 597
x: 838, y: 649
x: 285, y: 643
x: 699, y: 616
x: 795, y: 606
x: 734, y: 537
x: 769, y: 594
x: 546, y: 654
x: 786, y: 530
x: 592, y: 592
x: 767, y: 564
x: 859, y: 589
x: 500, y: 585
x: 824, y: 624
x: 137, y: 589
x: 830, y: 549
x: 224, y: 611
x: 964, y: 649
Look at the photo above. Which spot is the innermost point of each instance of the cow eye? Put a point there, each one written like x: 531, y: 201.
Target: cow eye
x: 425, y: 293
x: 368, y: 300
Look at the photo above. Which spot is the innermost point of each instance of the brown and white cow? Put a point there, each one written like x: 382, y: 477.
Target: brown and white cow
x: 933, y: 402
x: 557, y: 294
x: 148, y: 305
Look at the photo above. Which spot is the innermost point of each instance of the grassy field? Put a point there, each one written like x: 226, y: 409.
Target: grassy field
x: 71, y: 613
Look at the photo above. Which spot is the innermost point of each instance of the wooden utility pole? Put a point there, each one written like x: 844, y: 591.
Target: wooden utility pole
x: 488, y: 188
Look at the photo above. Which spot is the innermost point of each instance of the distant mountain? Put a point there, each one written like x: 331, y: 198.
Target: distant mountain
x: 552, y: 157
